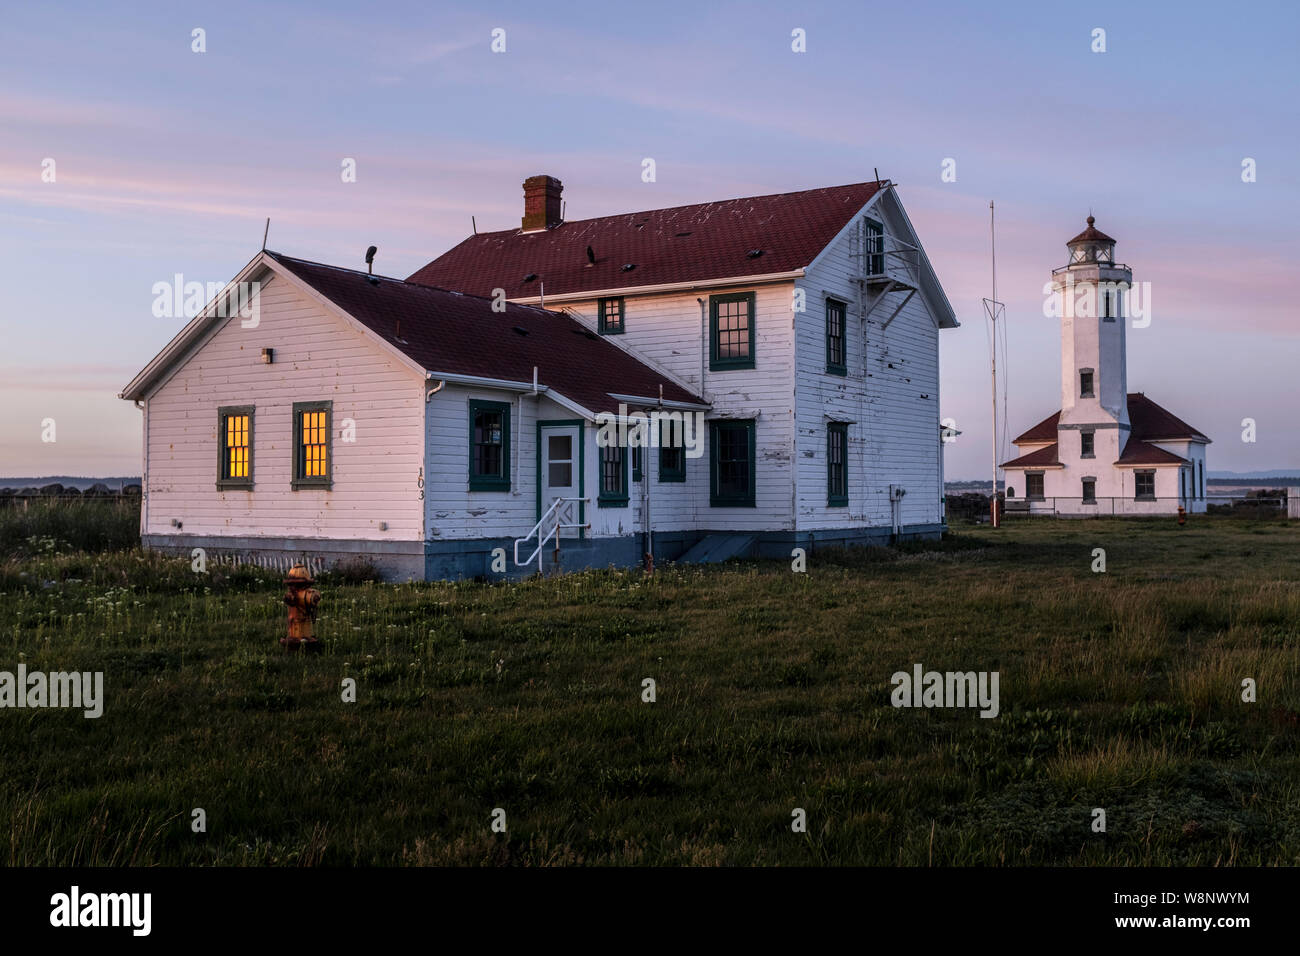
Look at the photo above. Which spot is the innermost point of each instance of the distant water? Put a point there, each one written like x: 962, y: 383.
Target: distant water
x: 68, y: 481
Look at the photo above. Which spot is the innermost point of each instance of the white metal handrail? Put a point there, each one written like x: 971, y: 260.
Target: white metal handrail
x: 554, y: 514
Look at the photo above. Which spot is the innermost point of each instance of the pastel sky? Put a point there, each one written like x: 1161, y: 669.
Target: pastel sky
x: 168, y: 161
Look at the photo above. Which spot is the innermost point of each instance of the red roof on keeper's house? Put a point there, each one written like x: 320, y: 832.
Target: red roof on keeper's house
x: 760, y: 235
x: 458, y: 334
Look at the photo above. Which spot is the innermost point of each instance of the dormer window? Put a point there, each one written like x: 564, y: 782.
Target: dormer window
x: 611, y: 316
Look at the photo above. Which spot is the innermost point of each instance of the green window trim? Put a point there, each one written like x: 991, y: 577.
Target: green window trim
x: 481, y: 479
x: 672, y: 460
x: 300, y: 477
x: 720, y: 359
x: 837, y: 346
x: 837, y: 465
x: 717, y: 428
x: 638, y: 453
x: 612, y: 315
x: 874, y: 238
x: 224, y: 479
x: 616, y: 498
x: 580, y: 425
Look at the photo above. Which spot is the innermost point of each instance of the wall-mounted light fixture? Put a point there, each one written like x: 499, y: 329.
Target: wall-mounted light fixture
x: 268, y: 356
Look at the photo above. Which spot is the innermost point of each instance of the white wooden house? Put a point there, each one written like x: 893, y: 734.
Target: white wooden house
x: 427, y: 423
x: 1106, y: 451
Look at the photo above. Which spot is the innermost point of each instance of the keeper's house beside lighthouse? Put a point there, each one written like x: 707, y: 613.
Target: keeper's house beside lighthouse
x: 449, y: 424
x: 1107, y: 450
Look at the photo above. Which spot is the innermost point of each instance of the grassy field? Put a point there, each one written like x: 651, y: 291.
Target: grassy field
x: 1119, y: 690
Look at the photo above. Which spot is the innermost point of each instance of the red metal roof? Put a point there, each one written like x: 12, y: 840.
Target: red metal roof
x: 1043, y: 431
x: 1038, y: 458
x: 1138, y: 452
x: 712, y: 240
x: 1154, y: 423
x: 460, y: 334
x: 1149, y: 421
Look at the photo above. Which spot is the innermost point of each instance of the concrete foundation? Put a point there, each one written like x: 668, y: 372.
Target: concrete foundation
x: 467, y: 559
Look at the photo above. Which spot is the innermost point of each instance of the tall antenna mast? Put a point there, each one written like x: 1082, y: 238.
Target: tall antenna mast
x: 994, y: 309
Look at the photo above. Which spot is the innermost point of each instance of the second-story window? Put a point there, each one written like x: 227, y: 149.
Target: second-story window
x: 1085, y: 383
x: 731, y: 321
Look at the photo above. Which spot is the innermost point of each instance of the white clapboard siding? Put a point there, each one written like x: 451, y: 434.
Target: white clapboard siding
x: 890, y: 395
x: 664, y: 330
x: 317, y: 358
x: 453, y: 512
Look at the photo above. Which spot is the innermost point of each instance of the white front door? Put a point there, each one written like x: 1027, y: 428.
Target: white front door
x: 561, y: 465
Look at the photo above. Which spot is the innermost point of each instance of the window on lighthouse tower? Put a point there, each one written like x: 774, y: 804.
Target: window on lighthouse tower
x: 1085, y: 383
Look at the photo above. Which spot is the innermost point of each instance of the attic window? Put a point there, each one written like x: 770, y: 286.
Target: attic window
x: 611, y: 316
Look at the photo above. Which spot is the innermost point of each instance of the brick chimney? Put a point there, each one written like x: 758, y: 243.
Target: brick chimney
x: 541, y: 202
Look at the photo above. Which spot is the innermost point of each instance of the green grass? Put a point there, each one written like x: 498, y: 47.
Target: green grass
x: 47, y: 526
x: 1118, y: 690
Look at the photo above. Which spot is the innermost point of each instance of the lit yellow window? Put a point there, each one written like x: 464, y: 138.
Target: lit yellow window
x: 237, y: 451
x: 315, y: 463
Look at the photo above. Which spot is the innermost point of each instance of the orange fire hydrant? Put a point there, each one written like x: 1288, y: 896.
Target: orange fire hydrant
x: 1182, y: 515
x: 302, y: 600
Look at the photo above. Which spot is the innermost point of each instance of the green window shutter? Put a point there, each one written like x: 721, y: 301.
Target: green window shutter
x: 489, y: 446
x: 732, y: 464
x: 731, y: 331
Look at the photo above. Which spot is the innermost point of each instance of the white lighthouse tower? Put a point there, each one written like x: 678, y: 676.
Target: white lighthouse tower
x: 1107, y: 451
x: 1094, y: 363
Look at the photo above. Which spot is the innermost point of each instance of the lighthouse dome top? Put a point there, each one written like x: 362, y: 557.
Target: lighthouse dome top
x: 1091, y: 245
x: 1091, y: 234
